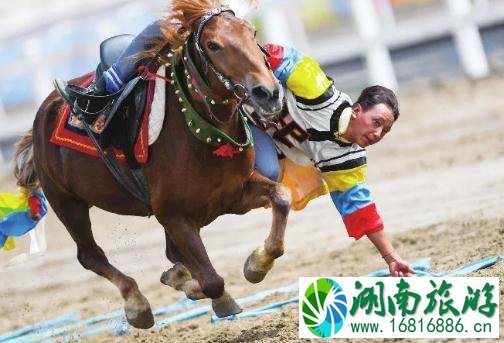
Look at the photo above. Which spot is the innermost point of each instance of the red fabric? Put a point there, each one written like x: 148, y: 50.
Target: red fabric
x: 152, y: 75
x: 363, y: 221
x: 276, y: 55
x: 34, y: 205
x: 226, y: 150
x: 62, y: 136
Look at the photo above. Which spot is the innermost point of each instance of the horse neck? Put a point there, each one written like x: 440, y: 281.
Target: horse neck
x: 225, y: 117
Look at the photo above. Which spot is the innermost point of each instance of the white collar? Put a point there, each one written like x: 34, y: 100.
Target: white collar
x: 344, y: 121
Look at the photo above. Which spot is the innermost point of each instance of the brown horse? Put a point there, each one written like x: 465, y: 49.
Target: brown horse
x: 189, y: 185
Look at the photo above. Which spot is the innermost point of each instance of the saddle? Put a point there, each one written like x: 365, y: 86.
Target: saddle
x: 122, y: 110
x: 122, y: 114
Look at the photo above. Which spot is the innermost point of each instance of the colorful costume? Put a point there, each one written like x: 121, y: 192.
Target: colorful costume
x: 309, y: 133
x: 19, y: 214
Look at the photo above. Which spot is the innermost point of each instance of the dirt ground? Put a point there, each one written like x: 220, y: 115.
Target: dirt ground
x: 437, y: 179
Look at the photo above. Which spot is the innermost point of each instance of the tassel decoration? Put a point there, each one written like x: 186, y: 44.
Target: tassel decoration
x: 226, y: 151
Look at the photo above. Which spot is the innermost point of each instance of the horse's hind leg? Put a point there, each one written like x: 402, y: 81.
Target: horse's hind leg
x: 74, y: 214
x: 197, y: 277
x: 178, y: 276
x: 260, y: 192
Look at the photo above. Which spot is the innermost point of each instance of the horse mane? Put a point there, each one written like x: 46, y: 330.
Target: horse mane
x: 188, y: 11
x: 177, y: 25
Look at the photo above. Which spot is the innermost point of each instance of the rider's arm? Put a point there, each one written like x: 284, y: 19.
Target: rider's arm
x: 352, y: 198
x: 299, y: 72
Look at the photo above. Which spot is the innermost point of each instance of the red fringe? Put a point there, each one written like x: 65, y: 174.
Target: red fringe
x: 226, y: 151
x: 34, y: 205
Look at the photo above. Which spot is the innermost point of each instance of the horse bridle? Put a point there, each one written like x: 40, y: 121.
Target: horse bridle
x: 237, y: 88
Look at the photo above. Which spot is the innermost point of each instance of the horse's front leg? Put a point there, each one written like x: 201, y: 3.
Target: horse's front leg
x: 193, y: 272
x: 262, y: 192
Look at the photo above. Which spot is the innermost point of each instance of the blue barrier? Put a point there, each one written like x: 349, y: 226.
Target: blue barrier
x: 30, y: 334
x: 121, y: 326
x: 274, y: 307
x: 11, y: 336
x: 422, y: 265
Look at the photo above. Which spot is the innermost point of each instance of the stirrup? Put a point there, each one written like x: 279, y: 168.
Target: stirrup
x: 60, y: 87
x: 83, y: 101
x: 71, y: 92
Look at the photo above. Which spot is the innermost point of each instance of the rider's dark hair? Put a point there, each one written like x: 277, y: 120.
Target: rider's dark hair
x: 375, y: 95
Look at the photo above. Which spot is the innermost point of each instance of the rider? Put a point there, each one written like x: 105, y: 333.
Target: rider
x: 114, y: 78
x: 319, y: 127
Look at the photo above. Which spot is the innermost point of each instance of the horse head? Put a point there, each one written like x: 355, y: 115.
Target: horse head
x: 226, y: 50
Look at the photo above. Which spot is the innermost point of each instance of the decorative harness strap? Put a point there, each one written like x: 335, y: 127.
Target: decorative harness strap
x: 200, y: 127
x: 203, y: 130
x: 201, y: 89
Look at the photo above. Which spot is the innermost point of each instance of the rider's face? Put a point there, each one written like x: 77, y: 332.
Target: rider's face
x: 369, y: 127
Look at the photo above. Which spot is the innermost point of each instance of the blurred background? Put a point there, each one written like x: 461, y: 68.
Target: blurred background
x: 437, y: 179
x: 397, y: 43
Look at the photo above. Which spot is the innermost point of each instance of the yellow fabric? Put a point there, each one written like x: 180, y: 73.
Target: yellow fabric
x: 10, y: 244
x: 308, y: 80
x: 12, y: 201
x: 305, y: 183
x: 341, y: 180
x: 308, y: 183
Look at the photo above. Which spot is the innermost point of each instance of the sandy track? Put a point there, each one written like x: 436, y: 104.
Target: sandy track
x: 438, y: 181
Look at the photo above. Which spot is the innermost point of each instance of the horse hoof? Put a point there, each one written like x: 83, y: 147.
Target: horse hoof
x: 139, y: 313
x: 141, y: 320
x: 176, y: 276
x: 255, y: 271
x: 225, y: 306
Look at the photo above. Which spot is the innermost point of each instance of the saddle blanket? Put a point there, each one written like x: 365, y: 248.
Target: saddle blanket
x: 69, y: 131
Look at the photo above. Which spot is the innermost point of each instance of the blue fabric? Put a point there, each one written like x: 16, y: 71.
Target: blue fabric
x: 290, y: 60
x: 113, y: 82
x: 266, y: 158
x: 125, y: 66
x: 352, y: 199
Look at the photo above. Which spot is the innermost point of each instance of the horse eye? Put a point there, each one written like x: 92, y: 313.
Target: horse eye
x: 212, y: 46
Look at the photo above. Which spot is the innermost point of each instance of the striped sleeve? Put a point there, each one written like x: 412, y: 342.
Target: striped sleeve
x: 299, y: 72
x: 352, y: 197
x: 357, y: 210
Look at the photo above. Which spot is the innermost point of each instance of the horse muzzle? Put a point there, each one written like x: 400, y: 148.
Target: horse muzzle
x: 267, y: 102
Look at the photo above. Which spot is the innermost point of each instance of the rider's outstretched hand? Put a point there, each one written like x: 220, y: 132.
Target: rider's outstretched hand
x: 397, y: 266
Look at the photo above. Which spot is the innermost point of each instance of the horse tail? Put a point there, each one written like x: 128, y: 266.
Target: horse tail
x: 24, y: 169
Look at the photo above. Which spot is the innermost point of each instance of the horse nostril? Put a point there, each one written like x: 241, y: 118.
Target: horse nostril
x: 261, y: 92
x: 276, y: 93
